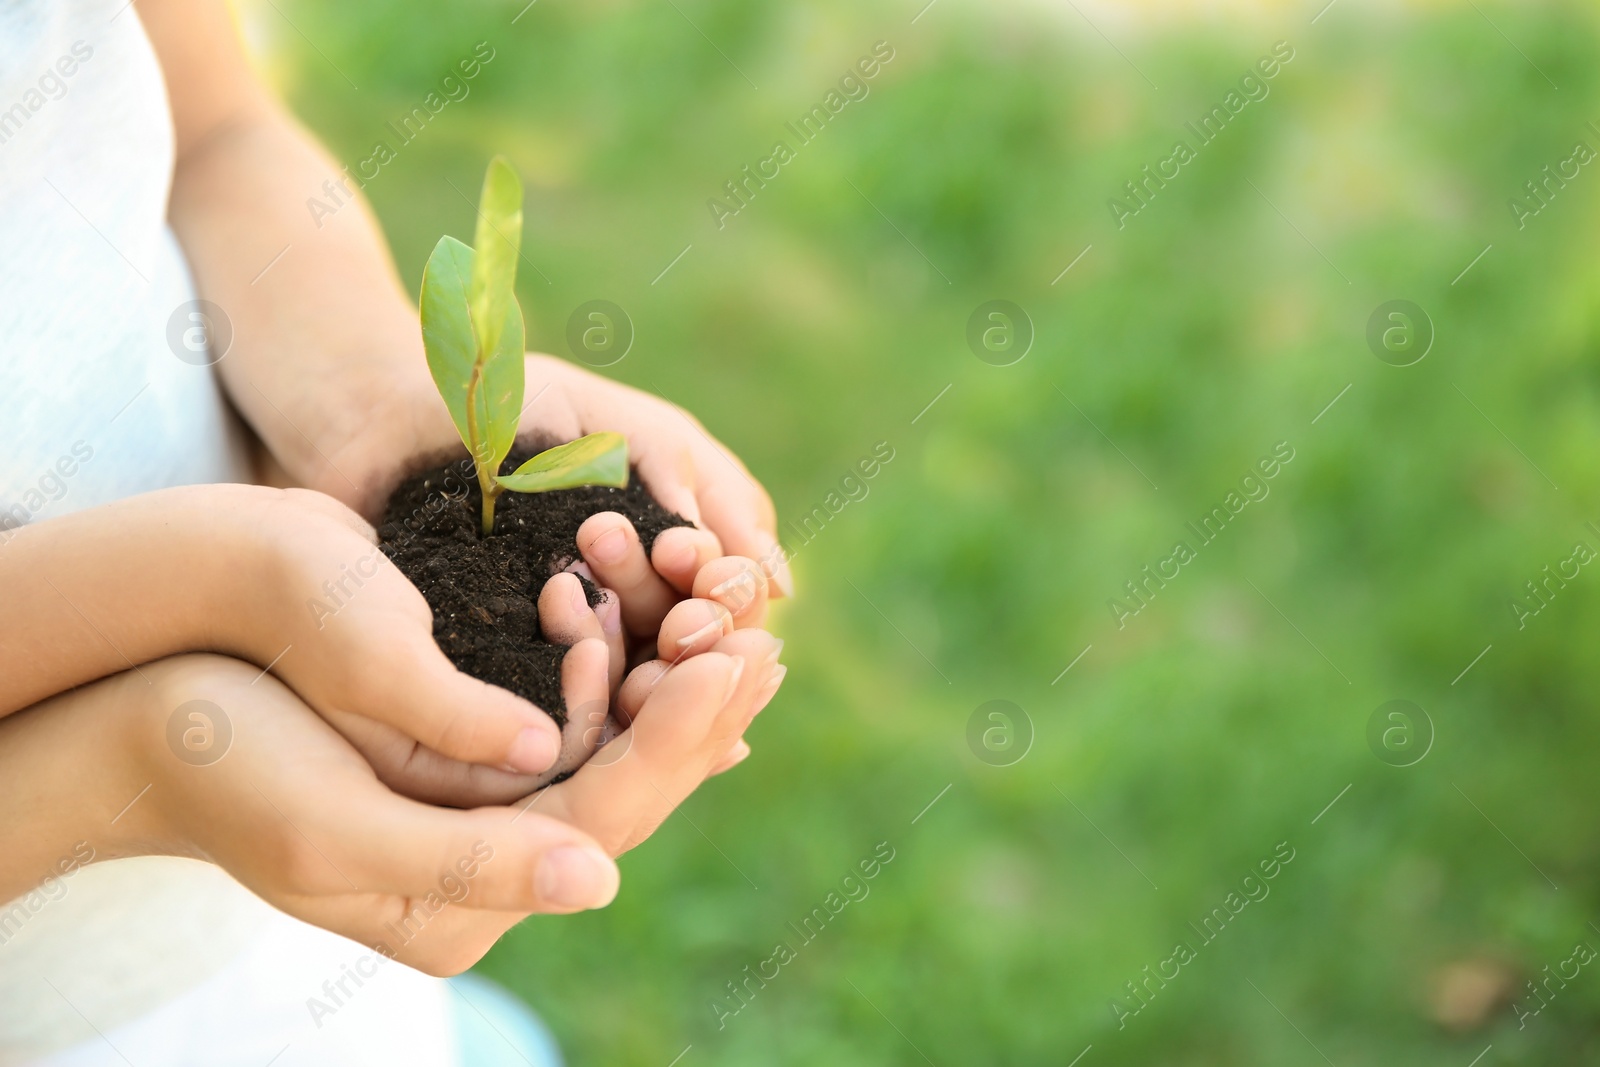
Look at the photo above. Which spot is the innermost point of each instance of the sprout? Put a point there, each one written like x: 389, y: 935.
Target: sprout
x: 472, y: 330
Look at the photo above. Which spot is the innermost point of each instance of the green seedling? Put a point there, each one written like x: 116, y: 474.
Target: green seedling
x: 473, y: 332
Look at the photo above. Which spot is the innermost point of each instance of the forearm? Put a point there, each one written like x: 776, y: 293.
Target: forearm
x: 104, y: 590
x: 66, y: 774
x: 325, y: 344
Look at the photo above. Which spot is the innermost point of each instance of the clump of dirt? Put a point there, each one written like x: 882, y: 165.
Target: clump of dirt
x: 484, y: 591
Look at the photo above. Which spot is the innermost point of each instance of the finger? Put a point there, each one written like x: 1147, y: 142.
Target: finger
x: 764, y: 695
x: 738, y: 585
x: 740, y: 513
x: 694, y: 716
x: 565, y: 616
x: 640, y: 681
x: 611, y: 548
x: 487, y: 859
x: 680, y: 552
x: 321, y: 825
x: 453, y: 713
x: 586, y: 690
x: 735, y: 756
x: 610, y: 615
x: 692, y: 627
x: 668, y: 470
x: 643, y: 679
x: 413, y: 770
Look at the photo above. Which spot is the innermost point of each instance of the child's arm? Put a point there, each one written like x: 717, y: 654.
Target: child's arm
x: 327, y: 362
x: 297, y: 816
x: 286, y: 579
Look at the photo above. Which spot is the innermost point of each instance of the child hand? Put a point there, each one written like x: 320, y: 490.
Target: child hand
x: 373, y: 670
x: 290, y: 581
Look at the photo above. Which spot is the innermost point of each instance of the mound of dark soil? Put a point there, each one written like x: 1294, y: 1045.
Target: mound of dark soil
x: 484, y: 591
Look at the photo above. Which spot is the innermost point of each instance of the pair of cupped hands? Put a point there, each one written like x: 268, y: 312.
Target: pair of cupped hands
x: 393, y: 773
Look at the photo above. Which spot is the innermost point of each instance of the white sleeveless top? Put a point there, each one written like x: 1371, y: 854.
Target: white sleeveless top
x: 105, y: 392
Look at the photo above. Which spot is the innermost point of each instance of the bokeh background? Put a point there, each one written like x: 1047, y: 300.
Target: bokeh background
x: 1074, y: 843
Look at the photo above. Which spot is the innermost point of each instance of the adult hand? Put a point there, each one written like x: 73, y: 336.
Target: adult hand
x: 294, y: 813
x: 686, y: 470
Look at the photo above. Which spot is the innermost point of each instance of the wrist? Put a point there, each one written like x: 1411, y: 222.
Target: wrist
x: 227, y: 569
x: 73, y: 780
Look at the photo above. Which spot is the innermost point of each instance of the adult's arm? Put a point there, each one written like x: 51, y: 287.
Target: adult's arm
x: 327, y: 363
x: 298, y: 817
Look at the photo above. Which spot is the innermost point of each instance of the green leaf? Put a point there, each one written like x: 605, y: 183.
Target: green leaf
x: 496, y: 243
x: 447, y: 333
x: 500, y: 399
x: 598, y: 459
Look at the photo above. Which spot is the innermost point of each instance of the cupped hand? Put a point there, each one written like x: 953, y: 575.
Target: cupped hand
x: 682, y: 465
x: 299, y: 817
x: 343, y: 627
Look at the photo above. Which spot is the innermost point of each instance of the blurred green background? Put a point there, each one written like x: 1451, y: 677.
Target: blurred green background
x: 1223, y: 719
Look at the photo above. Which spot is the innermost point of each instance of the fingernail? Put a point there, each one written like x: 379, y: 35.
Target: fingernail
x: 580, y: 599
x: 741, y: 752
x: 777, y: 650
x: 534, y: 750
x: 743, y: 582
x: 770, y: 690
x: 733, y: 678
x: 610, y: 547
x: 775, y: 564
x: 785, y: 579
x: 574, y: 876
x: 718, y: 626
x: 610, y: 612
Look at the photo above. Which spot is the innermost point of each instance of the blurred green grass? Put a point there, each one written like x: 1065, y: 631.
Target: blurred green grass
x: 823, y: 318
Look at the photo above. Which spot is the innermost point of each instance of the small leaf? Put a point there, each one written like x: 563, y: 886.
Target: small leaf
x: 598, y: 459
x: 496, y: 244
x: 500, y: 397
x: 447, y: 333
